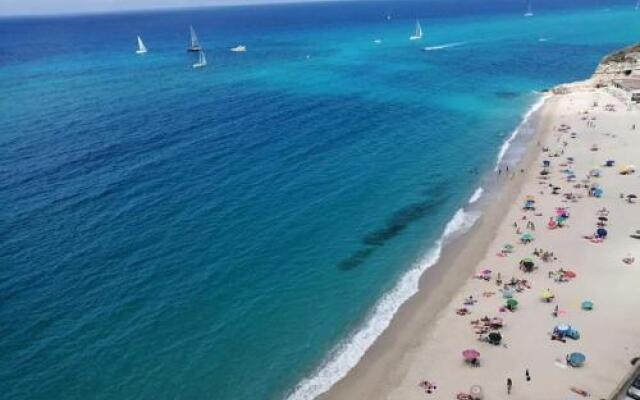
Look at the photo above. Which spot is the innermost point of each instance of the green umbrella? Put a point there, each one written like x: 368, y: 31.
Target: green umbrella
x: 527, y: 237
x: 512, y: 304
x: 587, y: 305
x: 527, y: 260
x: 508, y: 246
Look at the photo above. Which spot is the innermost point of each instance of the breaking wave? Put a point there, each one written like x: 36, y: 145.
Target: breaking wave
x: 525, y: 119
x: 349, y: 351
x: 346, y: 355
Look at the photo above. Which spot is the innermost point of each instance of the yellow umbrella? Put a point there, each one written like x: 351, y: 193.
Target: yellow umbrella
x: 547, y: 295
x: 627, y: 169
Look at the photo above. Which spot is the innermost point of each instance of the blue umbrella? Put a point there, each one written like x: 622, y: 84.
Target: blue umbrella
x: 587, y: 305
x: 601, y: 232
x: 576, y: 359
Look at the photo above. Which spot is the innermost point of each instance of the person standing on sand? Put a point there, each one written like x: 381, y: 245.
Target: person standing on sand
x: 526, y: 374
x: 509, y: 385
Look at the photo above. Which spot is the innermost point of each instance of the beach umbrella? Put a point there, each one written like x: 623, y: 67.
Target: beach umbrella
x: 496, y: 321
x: 604, y: 219
x: 512, y: 304
x: 601, y: 232
x: 547, y: 295
x: 508, y: 246
x: 576, y: 359
x: 570, y: 274
x: 527, y: 237
x: 527, y: 264
x: 562, y: 328
x: 495, y: 337
x: 476, y: 392
x: 485, y: 272
x: 507, y: 293
x: 627, y: 169
x: 470, y: 354
x: 573, y: 334
x: 587, y: 305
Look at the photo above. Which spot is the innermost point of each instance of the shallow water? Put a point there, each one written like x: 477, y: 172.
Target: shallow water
x: 171, y: 233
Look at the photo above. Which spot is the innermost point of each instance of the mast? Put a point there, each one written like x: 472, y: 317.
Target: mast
x: 194, y: 38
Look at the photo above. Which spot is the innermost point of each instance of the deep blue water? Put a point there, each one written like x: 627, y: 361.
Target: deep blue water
x: 168, y: 233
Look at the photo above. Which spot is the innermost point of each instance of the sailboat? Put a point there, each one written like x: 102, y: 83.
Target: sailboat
x: 239, y: 48
x: 529, y: 12
x: 195, y: 44
x: 418, y: 34
x: 202, y: 60
x: 142, y: 49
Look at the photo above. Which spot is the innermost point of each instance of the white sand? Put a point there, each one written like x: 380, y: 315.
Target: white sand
x: 430, y: 349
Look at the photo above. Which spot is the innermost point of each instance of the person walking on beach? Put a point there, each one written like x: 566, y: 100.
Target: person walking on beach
x: 509, y: 385
x: 526, y: 374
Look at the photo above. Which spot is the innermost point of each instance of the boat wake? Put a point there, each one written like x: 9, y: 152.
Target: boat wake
x: 444, y: 46
x: 346, y: 354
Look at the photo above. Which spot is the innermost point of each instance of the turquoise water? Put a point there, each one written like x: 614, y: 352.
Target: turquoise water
x: 228, y: 232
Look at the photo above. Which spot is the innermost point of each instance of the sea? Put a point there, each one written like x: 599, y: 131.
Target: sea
x: 246, y: 230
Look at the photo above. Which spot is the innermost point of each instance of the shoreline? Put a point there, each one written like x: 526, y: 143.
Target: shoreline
x: 580, y: 126
x: 466, y: 223
x: 439, y: 282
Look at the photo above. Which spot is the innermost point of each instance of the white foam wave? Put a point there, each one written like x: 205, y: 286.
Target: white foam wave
x: 525, y: 119
x: 347, y: 354
x: 476, y: 195
x: 444, y: 46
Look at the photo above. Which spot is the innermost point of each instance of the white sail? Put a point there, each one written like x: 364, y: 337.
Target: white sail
x: 529, y: 12
x: 418, y: 33
x: 195, y: 44
x: 202, y: 60
x: 142, y: 49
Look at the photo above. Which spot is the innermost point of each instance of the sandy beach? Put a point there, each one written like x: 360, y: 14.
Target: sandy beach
x: 565, y: 178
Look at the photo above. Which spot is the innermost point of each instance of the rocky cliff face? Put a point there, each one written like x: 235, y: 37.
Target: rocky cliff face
x: 622, y: 64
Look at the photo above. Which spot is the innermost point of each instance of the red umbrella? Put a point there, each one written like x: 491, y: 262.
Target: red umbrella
x: 470, y: 354
x: 570, y: 274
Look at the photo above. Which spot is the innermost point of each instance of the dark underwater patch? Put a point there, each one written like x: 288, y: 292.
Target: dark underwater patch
x: 356, y: 259
x: 398, y: 222
x: 507, y: 94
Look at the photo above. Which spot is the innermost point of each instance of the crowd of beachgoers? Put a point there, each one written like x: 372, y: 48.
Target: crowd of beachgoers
x: 547, y: 312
